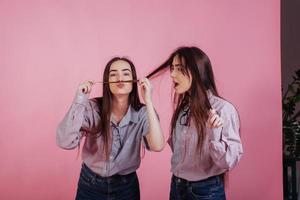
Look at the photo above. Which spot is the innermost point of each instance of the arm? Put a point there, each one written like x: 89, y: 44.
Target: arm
x: 225, y: 142
x: 81, y: 117
x: 155, y: 136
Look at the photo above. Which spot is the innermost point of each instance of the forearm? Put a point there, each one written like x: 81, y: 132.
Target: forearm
x: 155, y: 136
x: 68, y: 132
x: 225, y: 143
x: 226, y: 154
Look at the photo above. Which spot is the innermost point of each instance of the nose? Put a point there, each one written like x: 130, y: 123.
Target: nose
x: 173, y: 73
x: 119, y: 77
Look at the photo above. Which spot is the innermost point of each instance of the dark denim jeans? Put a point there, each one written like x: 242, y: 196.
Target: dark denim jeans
x: 208, y: 189
x: 118, y: 187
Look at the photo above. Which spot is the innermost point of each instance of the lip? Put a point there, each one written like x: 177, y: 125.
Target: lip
x: 120, y: 85
x: 175, y: 84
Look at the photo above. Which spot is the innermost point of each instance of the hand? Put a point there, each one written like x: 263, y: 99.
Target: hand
x: 86, y: 87
x: 146, y: 90
x: 214, y: 120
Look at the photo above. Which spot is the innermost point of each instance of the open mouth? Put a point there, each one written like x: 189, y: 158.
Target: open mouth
x: 175, y: 84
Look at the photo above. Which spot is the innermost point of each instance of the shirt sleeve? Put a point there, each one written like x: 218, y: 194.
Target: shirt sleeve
x: 82, y: 117
x: 225, y: 142
x: 145, y: 126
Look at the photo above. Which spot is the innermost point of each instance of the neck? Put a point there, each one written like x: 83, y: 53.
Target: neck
x: 119, y: 106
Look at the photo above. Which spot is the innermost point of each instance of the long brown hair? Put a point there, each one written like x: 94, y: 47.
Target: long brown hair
x: 195, y: 100
x: 105, y: 103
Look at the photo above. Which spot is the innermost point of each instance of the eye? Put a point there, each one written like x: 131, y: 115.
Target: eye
x: 182, y: 69
x: 112, y: 75
x: 171, y: 68
x: 127, y: 74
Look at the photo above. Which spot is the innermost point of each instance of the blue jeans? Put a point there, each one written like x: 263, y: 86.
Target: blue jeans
x: 91, y: 186
x: 208, y: 189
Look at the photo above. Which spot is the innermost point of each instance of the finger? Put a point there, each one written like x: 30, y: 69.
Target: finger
x: 143, y: 84
x: 213, y: 118
x: 212, y: 111
x: 141, y: 81
x: 89, y: 89
x: 84, y: 89
x: 92, y: 82
x: 145, y: 80
x: 216, y: 122
x: 220, y: 124
x: 147, y: 83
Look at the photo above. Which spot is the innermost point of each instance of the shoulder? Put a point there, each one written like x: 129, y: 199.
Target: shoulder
x: 95, y: 103
x: 223, y: 107
x: 141, y: 109
x: 139, y: 112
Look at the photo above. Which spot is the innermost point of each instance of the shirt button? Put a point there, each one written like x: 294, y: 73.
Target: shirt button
x: 111, y: 157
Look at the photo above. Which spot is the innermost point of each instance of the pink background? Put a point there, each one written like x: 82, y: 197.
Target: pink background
x: 48, y: 47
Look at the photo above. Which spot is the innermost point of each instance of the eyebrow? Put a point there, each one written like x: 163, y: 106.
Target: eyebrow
x: 123, y: 70
x: 177, y: 65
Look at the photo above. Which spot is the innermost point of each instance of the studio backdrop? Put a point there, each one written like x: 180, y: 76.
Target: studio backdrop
x: 47, y: 48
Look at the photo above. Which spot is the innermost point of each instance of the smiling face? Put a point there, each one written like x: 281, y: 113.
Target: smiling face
x: 120, y: 71
x: 182, y: 80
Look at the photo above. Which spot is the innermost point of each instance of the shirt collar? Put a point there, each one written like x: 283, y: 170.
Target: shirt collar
x: 209, y: 94
x: 130, y: 116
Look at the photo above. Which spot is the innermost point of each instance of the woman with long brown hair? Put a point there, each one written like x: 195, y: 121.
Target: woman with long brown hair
x: 114, y: 127
x: 204, y: 136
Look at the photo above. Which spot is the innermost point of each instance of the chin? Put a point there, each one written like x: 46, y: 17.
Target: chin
x: 179, y: 91
x: 121, y: 92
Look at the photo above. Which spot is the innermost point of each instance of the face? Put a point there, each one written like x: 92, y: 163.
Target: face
x: 182, y: 82
x: 120, y: 71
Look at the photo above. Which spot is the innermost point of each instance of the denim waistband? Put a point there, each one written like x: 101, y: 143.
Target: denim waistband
x: 210, y: 180
x: 114, y: 178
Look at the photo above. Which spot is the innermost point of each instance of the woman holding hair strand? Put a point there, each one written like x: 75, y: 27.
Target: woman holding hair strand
x: 114, y: 127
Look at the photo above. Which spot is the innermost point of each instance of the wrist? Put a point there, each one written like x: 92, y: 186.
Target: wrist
x: 215, y: 134
x: 81, y: 97
x: 148, y: 102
